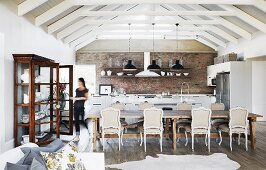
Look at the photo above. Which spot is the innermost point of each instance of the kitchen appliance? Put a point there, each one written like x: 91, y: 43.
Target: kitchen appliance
x: 223, y: 89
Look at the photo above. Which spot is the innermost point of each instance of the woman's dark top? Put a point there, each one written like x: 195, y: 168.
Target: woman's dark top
x: 80, y: 93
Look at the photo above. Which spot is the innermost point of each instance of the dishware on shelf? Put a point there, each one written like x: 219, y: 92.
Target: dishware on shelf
x: 109, y: 73
x: 25, y: 118
x: 186, y: 74
x: 102, y: 73
x: 26, y: 139
x: 25, y: 76
x: 162, y: 73
x: 39, y: 79
x: 130, y: 74
x: 120, y: 74
x: 178, y: 74
x: 26, y: 99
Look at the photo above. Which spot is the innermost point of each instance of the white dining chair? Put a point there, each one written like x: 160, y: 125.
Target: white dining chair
x: 238, y: 124
x: 145, y: 105
x: 200, y: 124
x: 218, y: 121
x: 153, y: 125
x: 110, y: 124
x: 118, y: 105
x: 181, y: 123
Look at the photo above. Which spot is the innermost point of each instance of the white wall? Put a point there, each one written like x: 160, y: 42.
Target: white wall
x: 22, y: 37
x: 247, y: 48
x: 258, y: 88
x: 2, y: 125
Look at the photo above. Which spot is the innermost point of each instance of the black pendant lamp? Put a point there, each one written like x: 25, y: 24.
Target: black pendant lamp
x: 153, y: 65
x: 129, y: 66
x: 177, y: 65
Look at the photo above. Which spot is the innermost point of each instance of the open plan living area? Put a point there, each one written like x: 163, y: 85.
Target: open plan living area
x: 132, y: 84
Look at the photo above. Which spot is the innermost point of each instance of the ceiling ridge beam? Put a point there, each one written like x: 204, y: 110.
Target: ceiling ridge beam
x: 53, y: 12
x: 238, y: 30
x: 246, y: 17
x: 29, y: 5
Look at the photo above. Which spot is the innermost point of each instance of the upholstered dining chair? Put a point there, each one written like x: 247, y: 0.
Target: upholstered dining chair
x: 110, y: 124
x: 238, y: 124
x: 145, y: 105
x: 153, y: 125
x: 200, y: 124
x: 181, y: 123
x: 121, y: 106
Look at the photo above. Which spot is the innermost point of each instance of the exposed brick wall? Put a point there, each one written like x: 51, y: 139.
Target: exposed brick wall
x: 198, y: 63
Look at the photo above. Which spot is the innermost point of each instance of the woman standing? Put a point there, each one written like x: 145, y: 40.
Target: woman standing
x: 79, y: 109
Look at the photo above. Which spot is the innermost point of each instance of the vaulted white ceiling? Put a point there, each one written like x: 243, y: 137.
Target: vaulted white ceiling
x: 212, y: 22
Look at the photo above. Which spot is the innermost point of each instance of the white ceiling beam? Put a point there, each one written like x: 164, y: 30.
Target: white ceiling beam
x: 88, y: 21
x: 238, y: 30
x: 260, y: 4
x: 53, y: 12
x: 213, y: 39
x: 67, y: 19
x: 109, y: 2
x: 246, y: 17
x: 83, y: 44
x: 214, y: 29
x: 203, y: 41
x: 144, y: 36
x: 81, y: 23
x: 155, y: 13
x: 29, y: 5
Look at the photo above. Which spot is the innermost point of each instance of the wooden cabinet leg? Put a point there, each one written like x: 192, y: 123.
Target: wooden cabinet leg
x: 174, y: 133
x: 252, y: 127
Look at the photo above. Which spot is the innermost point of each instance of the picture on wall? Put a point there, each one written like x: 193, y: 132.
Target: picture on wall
x: 105, y: 89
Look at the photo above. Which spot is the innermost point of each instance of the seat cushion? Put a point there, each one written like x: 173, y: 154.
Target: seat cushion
x: 150, y: 130
x: 28, y: 158
x: 11, y: 166
x: 225, y: 128
x: 111, y: 130
x: 196, y: 130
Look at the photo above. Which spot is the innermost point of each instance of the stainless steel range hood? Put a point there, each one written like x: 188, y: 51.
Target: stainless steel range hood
x: 146, y: 72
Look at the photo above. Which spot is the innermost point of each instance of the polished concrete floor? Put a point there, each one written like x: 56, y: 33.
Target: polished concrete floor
x: 131, y: 151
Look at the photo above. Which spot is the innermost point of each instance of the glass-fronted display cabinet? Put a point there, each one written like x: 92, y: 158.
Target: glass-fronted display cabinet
x: 38, y: 100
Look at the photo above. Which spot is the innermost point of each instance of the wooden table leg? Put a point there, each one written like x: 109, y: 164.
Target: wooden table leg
x: 94, y: 121
x: 252, y: 128
x: 174, y: 133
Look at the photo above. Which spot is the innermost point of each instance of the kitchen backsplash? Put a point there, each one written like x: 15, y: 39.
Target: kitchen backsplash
x: 198, y: 63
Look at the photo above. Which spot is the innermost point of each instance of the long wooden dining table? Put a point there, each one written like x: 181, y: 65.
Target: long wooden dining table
x: 173, y: 115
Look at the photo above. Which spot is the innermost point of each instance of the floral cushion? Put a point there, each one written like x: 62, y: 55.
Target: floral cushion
x: 70, y: 148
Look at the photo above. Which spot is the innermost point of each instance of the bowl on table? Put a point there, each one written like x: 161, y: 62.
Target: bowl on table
x: 120, y: 74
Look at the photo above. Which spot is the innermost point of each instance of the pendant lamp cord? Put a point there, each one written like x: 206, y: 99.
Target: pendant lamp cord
x: 153, y: 38
x: 129, y: 39
x: 177, y: 36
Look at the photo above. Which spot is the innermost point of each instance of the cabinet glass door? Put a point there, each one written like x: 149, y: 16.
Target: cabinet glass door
x: 65, y: 93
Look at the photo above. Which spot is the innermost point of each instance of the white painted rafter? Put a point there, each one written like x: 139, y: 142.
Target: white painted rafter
x: 214, y: 29
x: 246, y: 17
x: 29, y: 5
x: 203, y: 41
x: 81, y: 23
x: 260, y: 4
x: 238, y: 30
x: 67, y: 19
x: 53, y: 12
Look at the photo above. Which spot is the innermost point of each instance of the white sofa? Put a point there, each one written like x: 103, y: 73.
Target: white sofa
x: 13, y: 155
x: 92, y: 161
